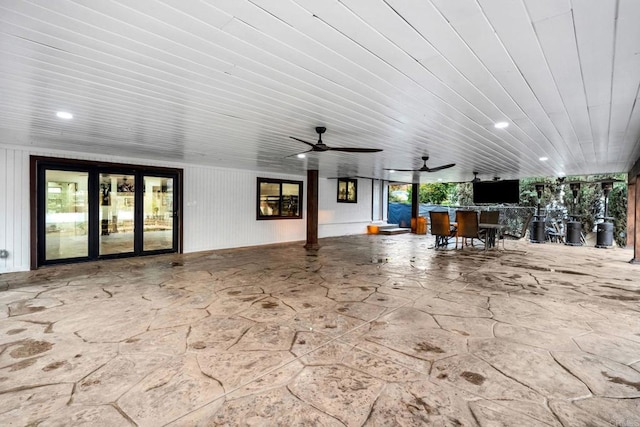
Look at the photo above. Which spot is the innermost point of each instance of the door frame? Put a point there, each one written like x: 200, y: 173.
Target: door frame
x: 40, y: 163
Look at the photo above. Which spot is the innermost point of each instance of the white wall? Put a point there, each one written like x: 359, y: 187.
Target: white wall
x: 219, y: 207
x: 340, y: 219
x: 220, y: 211
x: 14, y: 209
x: 379, y: 205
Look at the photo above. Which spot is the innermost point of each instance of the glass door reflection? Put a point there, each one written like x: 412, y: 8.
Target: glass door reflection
x: 116, y: 213
x: 66, y: 215
x: 158, y: 214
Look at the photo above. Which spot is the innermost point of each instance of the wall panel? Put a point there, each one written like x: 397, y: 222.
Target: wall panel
x: 378, y: 206
x: 4, y: 212
x: 14, y: 209
x: 220, y: 211
x: 339, y: 219
x: 219, y: 206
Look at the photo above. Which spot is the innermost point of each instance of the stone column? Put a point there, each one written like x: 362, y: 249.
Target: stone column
x: 312, y: 210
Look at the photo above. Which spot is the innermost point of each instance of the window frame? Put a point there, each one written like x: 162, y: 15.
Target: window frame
x: 345, y: 198
x: 38, y: 165
x: 260, y: 216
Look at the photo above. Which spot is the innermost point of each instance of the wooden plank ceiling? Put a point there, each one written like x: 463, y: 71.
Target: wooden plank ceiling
x: 226, y: 83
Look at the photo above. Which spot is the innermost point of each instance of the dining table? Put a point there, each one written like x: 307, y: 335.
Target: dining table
x: 493, y: 231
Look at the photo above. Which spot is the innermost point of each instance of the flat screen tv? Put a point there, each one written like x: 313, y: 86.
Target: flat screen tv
x: 496, y: 192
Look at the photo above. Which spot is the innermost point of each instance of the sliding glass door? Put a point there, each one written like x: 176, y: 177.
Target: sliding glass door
x: 88, y: 212
x: 117, y: 213
x: 159, y: 217
x: 66, y: 216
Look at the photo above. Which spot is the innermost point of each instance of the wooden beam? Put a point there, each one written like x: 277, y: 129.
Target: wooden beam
x: 631, y: 213
x: 415, y: 206
x: 636, y: 223
x: 634, y: 172
x: 312, y: 210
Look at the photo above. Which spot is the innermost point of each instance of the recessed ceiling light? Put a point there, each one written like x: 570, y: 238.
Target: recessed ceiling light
x: 392, y: 171
x: 543, y: 159
x: 64, y: 115
x: 501, y: 125
x: 302, y: 156
x: 439, y: 179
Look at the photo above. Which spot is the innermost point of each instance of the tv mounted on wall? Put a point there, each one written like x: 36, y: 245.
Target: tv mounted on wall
x: 496, y: 192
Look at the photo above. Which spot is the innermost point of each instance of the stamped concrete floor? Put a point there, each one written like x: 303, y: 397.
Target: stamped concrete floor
x: 369, y: 330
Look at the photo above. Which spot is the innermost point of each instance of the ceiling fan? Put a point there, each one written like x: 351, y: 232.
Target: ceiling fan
x: 425, y: 168
x: 321, y: 146
x: 475, y: 179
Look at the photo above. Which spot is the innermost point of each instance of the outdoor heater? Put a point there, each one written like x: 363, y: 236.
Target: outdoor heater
x: 604, y: 229
x: 537, y: 225
x: 574, y: 226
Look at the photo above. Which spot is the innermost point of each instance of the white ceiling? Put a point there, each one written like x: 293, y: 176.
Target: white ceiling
x: 226, y: 82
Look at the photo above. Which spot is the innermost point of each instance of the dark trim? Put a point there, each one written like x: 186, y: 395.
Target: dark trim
x: 179, y: 213
x: 38, y: 164
x: 260, y: 216
x: 345, y: 198
x: 33, y: 209
x: 93, y: 211
x: 372, y: 195
x: 100, y: 164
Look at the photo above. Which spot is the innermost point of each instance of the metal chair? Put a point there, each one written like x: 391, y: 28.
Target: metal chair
x: 554, y: 232
x: 467, y: 226
x: 441, y: 228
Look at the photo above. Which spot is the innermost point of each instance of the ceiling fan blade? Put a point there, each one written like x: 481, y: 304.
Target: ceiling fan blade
x: 321, y: 146
x: 439, y: 168
x: 355, y: 150
x: 303, y: 141
x: 403, y: 170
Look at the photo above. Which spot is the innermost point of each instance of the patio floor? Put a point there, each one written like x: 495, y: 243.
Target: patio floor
x: 369, y: 330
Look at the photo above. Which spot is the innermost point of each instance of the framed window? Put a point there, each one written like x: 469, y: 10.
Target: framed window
x: 347, y: 190
x: 279, y: 199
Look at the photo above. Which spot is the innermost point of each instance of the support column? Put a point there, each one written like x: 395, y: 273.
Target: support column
x: 312, y: 210
x: 415, y: 206
x: 631, y: 213
x: 636, y: 224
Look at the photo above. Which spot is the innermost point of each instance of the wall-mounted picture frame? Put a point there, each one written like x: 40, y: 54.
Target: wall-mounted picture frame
x: 347, y: 190
x: 125, y: 185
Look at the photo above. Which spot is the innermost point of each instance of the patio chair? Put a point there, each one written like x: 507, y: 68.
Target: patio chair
x: 489, y: 217
x: 441, y: 228
x: 554, y: 232
x: 523, y: 230
x: 467, y: 226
